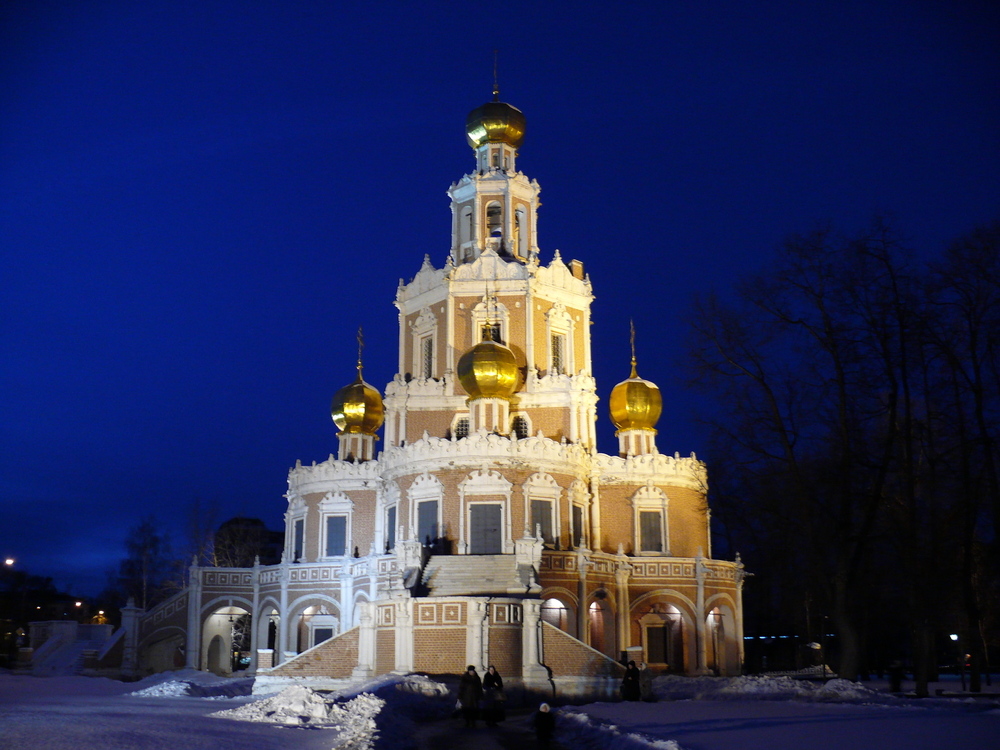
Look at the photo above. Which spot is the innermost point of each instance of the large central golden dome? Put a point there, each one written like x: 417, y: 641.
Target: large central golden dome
x: 495, y: 122
x: 635, y: 404
x: 358, y: 408
x: 488, y: 370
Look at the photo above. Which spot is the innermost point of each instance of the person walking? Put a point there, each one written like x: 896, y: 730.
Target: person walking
x: 493, y: 697
x: 470, y: 692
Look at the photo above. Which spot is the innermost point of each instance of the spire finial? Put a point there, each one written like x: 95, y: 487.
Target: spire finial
x: 361, y: 345
x: 631, y: 338
x: 496, y: 83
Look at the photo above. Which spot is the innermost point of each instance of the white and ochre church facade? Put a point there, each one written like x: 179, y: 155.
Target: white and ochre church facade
x: 484, y: 527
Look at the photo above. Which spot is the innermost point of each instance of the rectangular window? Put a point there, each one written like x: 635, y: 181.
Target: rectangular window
x: 299, y: 533
x: 427, y: 521
x: 336, y: 536
x: 656, y: 644
x: 650, y: 531
x: 491, y: 332
x: 558, y: 354
x: 427, y: 357
x: 390, y: 529
x: 577, y: 525
x: 322, y: 634
x: 541, y: 517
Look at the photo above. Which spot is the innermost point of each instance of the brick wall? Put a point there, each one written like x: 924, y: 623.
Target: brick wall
x: 439, y: 650
x: 505, y: 650
x: 333, y: 658
x: 385, y: 650
x: 566, y: 656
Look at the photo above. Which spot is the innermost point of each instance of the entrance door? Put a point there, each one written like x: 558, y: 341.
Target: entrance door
x: 485, y: 537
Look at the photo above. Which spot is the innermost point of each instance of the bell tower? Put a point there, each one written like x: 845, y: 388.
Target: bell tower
x: 494, y: 207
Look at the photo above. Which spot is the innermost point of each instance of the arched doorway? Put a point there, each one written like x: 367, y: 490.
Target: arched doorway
x: 601, y: 626
x: 216, y: 659
x: 227, y: 635
x: 662, y: 630
x: 556, y: 612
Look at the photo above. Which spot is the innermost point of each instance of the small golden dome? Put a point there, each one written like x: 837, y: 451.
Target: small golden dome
x: 494, y: 122
x: 488, y: 370
x: 635, y: 404
x: 357, y: 407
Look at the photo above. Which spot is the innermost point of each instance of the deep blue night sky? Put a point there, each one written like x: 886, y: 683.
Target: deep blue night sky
x: 201, y: 201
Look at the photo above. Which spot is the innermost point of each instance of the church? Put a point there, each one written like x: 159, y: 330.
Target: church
x: 486, y: 528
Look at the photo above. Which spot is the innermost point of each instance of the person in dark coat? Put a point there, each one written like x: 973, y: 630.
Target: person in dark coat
x: 545, y: 725
x: 631, y: 688
x: 493, y: 697
x: 470, y: 692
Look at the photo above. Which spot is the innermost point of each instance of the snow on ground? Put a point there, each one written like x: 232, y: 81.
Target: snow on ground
x: 710, y: 713
x: 196, y: 710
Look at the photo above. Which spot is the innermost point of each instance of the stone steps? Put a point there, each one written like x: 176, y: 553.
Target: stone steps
x: 473, y: 575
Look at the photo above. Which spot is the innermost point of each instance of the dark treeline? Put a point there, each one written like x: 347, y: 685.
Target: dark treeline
x: 856, y: 465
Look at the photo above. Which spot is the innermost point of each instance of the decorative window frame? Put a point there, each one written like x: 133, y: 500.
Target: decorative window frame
x: 423, y: 329
x: 558, y: 322
x: 296, y: 512
x: 484, y: 482
x: 336, y: 504
x: 456, y: 422
x: 579, y: 497
x: 387, y: 499
x: 527, y: 421
x: 650, y: 498
x: 424, y: 488
x: 490, y: 311
x: 542, y: 486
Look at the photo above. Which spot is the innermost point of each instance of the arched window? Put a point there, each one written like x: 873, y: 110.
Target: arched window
x: 554, y: 612
x: 519, y: 426
x: 462, y: 427
x: 494, y: 219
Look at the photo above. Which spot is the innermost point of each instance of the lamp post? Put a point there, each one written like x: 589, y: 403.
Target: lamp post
x: 961, y: 658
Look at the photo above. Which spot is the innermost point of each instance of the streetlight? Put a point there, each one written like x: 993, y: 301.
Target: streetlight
x: 9, y: 561
x: 961, y: 659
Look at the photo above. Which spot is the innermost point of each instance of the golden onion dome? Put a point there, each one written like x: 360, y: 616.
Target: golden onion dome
x: 358, y: 407
x: 488, y: 370
x: 635, y: 404
x: 495, y: 122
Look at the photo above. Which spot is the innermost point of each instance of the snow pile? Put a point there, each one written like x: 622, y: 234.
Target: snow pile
x: 168, y: 689
x: 295, y: 705
x: 579, y: 731
x: 300, y: 706
x: 412, y: 699
x: 191, y: 682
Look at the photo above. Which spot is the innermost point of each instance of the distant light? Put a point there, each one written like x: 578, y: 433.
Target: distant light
x: 100, y: 611
x: 79, y: 604
x: 954, y: 636
x: 9, y: 561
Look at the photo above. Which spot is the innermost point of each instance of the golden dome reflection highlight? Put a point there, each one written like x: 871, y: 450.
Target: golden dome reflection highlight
x: 495, y: 122
x: 635, y: 404
x: 488, y: 370
x: 357, y: 408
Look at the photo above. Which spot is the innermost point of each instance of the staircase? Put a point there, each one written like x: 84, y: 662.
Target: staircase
x: 476, y: 575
